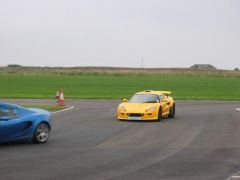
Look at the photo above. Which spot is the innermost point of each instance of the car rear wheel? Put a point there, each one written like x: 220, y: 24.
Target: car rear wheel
x: 160, y: 116
x: 42, y: 133
x: 172, y: 112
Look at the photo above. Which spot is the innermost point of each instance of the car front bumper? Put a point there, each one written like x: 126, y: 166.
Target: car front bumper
x: 137, y: 116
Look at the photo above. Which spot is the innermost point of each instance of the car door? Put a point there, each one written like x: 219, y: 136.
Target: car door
x: 11, y: 124
x: 165, y: 104
x: 168, y: 105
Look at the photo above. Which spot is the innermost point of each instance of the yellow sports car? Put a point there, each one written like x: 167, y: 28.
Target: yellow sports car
x: 147, y: 105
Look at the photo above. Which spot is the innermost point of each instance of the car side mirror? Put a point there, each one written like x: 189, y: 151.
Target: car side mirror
x: 125, y: 100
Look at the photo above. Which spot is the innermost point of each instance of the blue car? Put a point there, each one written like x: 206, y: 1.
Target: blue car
x: 19, y: 123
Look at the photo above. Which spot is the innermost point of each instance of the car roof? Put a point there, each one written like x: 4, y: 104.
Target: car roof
x: 8, y: 104
x: 155, y: 92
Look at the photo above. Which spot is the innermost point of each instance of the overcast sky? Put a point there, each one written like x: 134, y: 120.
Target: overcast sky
x: 166, y: 33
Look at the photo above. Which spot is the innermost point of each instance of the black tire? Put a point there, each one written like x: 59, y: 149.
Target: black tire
x: 41, y: 133
x: 160, y: 116
x: 172, y: 112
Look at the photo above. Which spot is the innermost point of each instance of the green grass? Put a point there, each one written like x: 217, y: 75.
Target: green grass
x: 46, y: 107
x: 117, y: 87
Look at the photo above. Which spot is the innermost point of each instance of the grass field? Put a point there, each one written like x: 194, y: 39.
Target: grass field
x: 50, y: 108
x: 190, y: 87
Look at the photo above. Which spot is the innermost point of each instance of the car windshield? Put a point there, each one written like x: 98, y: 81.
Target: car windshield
x: 144, y: 98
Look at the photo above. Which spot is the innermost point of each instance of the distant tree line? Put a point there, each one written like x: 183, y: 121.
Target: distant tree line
x: 14, y: 65
x: 195, y: 66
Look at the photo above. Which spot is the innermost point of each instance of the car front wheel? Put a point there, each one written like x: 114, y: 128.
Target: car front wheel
x: 41, y: 134
x: 160, y: 117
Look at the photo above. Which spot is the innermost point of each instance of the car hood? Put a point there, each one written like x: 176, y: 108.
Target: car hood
x: 137, y: 107
x: 39, y: 111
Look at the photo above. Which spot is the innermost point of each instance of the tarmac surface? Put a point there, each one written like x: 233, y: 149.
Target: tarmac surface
x: 87, y: 142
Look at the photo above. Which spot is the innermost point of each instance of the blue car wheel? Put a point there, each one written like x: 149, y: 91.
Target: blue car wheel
x: 41, y: 134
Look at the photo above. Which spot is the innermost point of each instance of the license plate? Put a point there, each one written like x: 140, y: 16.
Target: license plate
x: 134, y: 118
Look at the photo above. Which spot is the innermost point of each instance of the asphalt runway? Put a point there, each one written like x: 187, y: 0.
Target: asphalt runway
x: 89, y: 143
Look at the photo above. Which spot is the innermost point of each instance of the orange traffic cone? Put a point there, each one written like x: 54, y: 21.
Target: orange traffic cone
x: 61, y: 98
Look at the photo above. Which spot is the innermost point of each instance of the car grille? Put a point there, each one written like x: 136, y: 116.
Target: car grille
x: 135, y: 115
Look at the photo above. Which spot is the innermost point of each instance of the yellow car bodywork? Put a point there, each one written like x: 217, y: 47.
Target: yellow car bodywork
x: 163, y: 107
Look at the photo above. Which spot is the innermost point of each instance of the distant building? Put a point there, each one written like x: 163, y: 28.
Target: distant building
x: 203, y: 66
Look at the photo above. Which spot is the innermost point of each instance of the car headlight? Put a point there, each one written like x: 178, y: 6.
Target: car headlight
x: 152, y: 108
x: 122, y: 109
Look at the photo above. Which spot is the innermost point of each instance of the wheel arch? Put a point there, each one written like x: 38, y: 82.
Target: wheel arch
x: 46, y: 122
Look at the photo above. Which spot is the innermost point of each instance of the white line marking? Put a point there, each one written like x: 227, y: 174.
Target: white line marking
x: 235, y: 176
x: 67, y: 109
x: 238, y: 109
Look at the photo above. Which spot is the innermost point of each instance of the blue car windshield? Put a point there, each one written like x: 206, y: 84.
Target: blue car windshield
x: 144, y: 98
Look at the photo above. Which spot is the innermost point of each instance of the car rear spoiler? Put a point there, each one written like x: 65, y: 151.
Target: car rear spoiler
x: 167, y: 93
